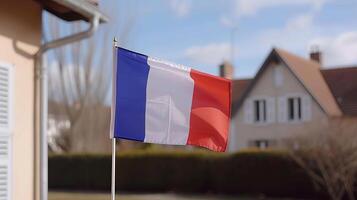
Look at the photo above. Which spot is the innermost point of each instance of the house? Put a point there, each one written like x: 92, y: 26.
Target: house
x: 20, y: 43
x: 289, y: 95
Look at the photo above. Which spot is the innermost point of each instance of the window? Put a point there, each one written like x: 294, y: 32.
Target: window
x: 262, y: 143
x: 278, y: 76
x: 294, y: 109
x: 259, y: 110
x: 260, y: 113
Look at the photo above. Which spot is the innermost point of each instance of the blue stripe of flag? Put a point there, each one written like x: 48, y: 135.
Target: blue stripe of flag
x: 131, y: 80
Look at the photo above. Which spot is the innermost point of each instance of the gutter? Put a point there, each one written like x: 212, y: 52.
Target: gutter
x: 41, y: 104
x: 83, y: 7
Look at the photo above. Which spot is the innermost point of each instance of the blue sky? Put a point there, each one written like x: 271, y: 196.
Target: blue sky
x: 196, y: 33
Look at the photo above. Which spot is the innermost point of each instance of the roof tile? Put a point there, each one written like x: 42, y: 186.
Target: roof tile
x: 343, y: 85
x: 308, y: 72
x: 321, y: 84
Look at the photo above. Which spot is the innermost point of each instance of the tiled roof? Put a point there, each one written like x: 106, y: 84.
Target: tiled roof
x: 238, y: 87
x: 343, y: 84
x: 308, y: 72
x: 321, y: 84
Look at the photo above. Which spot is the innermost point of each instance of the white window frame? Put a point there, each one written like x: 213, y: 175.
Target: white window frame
x: 260, y: 143
x: 262, y: 108
x: 249, y: 110
x: 6, y: 132
x: 305, y: 108
x: 263, y: 144
x: 296, y: 108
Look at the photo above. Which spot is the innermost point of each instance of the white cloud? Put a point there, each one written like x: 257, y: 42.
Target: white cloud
x: 302, y: 21
x: 227, y: 22
x: 211, y: 54
x: 245, y: 8
x: 293, y: 36
x: 300, y: 33
x: 181, y: 7
x: 252, y: 7
x: 339, y: 50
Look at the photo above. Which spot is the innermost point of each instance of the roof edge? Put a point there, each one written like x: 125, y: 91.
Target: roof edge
x: 275, y: 52
x: 84, y: 8
x: 331, y: 114
x: 236, y: 106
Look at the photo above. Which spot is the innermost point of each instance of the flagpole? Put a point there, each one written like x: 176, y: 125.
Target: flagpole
x: 113, y: 167
x: 115, y: 45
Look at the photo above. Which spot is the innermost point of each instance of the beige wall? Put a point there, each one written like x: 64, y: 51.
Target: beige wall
x: 242, y: 133
x: 20, y: 37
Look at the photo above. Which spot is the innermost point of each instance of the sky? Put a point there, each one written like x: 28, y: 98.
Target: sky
x: 197, y: 33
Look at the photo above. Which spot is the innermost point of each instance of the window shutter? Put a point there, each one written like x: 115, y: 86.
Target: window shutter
x: 282, y: 109
x: 306, y: 108
x: 4, y: 97
x: 5, y: 125
x: 4, y: 168
x: 270, y: 109
x: 248, y: 111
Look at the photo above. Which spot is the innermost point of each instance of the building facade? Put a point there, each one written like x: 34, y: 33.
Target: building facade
x: 20, y: 39
x: 289, y: 95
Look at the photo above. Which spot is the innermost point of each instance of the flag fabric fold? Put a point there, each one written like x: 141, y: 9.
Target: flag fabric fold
x: 160, y: 102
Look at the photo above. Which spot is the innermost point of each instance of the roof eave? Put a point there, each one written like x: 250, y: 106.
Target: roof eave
x: 274, y: 52
x: 330, y: 112
x: 84, y: 8
x: 239, y: 103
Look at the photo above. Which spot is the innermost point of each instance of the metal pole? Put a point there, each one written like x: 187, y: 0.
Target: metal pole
x: 43, y: 131
x: 113, y: 167
x: 115, y: 45
x: 42, y: 89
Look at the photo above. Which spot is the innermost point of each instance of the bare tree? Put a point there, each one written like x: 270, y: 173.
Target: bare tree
x: 79, y: 80
x: 329, y: 157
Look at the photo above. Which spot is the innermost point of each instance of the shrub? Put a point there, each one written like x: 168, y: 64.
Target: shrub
x: 259, y: 172
x: 249, y: 172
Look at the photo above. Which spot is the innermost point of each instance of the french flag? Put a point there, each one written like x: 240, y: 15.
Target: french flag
x: 160, y: 102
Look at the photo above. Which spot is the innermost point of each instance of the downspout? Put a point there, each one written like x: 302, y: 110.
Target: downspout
x: 41, y: 104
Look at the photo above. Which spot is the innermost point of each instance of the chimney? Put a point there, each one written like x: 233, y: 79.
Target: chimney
x: 226, y: 70
x: 315, y: 54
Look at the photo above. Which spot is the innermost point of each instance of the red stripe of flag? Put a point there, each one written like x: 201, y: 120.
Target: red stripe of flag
x: 210, y: 112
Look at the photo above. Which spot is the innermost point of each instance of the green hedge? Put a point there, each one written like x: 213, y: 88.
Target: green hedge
x: 250, y: 172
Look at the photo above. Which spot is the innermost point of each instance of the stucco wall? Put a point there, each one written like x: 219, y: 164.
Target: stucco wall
x: 242, y: 133
x: 20, y: 37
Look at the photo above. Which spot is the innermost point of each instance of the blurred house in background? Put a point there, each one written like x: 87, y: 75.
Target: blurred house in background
x: 20, y: 39
x: 289, y: 95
